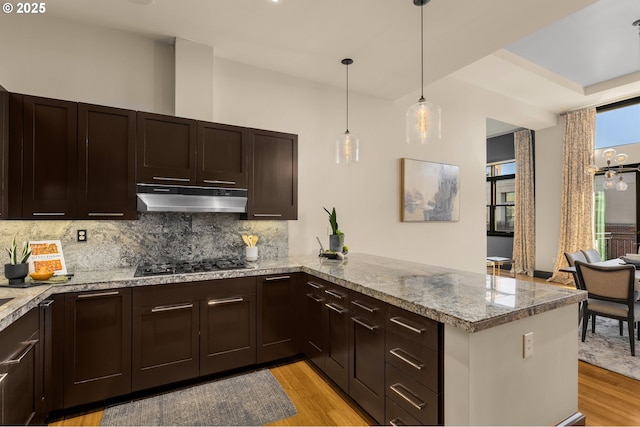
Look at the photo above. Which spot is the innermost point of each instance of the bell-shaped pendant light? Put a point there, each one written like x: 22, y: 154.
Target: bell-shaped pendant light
x: 347, y: 144
x: 423, y: 118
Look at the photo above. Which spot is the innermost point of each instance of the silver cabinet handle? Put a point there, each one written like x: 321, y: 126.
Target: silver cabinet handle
x: 224, y: 301
x: 361, y: 323
x: 267, y: 215
x: 271, y: 279
x: 407, y: 358
x: 315, y: 298
x: 46, y: 303
x: 99, y: 294
x: 2, y: 377
x: 48, y: 214
x: 398, y: 321
x: 314, y: 285
x: 401, y: 391
x: 106, y: 213
x: 28, y: 346
x: 333, y: 294
x: 215, y: 181
x: 397, y: 422
x: 364, y: 307
x: 336, y: 308
x: 164, y: 178
x: 162, y: 308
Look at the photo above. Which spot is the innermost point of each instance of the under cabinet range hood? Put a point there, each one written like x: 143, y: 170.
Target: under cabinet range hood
x: 191, y: 199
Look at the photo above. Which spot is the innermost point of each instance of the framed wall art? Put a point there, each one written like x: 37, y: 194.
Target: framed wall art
x: 429, y: 191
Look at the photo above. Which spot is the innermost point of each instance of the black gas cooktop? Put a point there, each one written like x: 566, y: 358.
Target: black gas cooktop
x: 182, y: 267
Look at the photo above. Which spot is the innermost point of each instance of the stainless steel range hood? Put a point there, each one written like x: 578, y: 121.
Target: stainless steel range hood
x: 191, y: 199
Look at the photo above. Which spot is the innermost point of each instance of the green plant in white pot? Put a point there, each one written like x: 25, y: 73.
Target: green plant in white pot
x: 17, y: 268
x: 336, y: 239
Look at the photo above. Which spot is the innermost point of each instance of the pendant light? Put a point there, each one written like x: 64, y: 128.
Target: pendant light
x: 423, y: 118
x: 347, y: 144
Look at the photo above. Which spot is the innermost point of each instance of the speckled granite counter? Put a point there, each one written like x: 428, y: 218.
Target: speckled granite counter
x: 468, y: 301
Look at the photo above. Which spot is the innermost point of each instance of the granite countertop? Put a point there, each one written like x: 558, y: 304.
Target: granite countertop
x: 470, y: 301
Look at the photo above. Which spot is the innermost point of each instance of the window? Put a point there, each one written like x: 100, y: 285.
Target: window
x: 618, y: 124
x: 501, y: 198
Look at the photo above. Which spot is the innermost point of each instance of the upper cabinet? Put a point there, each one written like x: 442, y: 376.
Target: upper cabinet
x: 166, y: 149
x: 4, y: 153
x: 222, y: 156
x: 273, y: 177
x: 106, y: 156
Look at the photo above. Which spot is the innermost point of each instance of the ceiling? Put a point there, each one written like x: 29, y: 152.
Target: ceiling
x: 552, y: 55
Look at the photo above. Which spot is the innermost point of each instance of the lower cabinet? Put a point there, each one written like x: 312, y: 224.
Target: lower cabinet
x: 336, y: 326
x: 228, y: 325
x: 165, y: 333
x: 277, y: 332
x: 312, y: 326
x: 97, y: 346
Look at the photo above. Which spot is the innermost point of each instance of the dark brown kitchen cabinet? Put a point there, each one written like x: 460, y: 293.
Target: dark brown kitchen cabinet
x: 165, y: 334
x: 43, y: 139
x: 4, y: 153
x: 228, y: 325
x: 97, y: 345
x: 166, y: 149
x: 336, y: 320
x: 312, y: 314
x: 222, y: 155
x: 106, y: 157
x: 273, y: 176
x: 24, y: 395
x: 366, y: 357
x: 277, y: 332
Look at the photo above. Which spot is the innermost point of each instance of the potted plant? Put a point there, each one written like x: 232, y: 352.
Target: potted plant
x: 336, y: 239
x: 17, y: 268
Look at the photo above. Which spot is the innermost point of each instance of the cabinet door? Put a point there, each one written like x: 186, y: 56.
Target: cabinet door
x: 366, y: 373
x: 276, y: 317
x: 166, y: 149
x: 50, y: 159
x: 222, y: 155
x: 312, y: 334
x: 106, y: 156
x: 165, y: 335
x: 97, y: 346
x: 228, y: 326
x: 21, y: 370
x: 337, y: 335
x: 273, y: 177
x: 4, y: 153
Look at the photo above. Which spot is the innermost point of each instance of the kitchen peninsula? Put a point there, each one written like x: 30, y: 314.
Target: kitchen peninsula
x: 486, y: 379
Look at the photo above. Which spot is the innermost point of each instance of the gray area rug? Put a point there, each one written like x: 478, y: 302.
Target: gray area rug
x: 251, y: 399
x: 608, y: 350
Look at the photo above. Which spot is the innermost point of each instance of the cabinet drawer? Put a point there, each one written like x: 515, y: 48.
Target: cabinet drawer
x: 415, y: 360
x: 424, y: 331
x: 413, y: 397
x: 227, y: 288
x: 370, y: 308
x: 156, y: 295
x: 396, y: 416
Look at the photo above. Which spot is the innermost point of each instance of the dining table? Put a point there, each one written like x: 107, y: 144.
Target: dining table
x: 607, y: 263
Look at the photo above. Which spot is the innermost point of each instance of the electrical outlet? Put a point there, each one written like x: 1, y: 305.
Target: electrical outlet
x: 527, y: 345
x: 82, y: 235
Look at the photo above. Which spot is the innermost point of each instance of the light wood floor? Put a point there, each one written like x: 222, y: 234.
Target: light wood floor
x: 604, y: 397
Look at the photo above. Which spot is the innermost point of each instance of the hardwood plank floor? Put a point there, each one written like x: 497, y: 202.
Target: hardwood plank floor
x: 604, y: 397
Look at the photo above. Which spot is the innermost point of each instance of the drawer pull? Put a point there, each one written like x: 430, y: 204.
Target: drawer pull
x: 401, y: 391
x: 271, y: 279
x: 2, y: 377
x: 99, y: 294
x: 164, y: 178
x: 397, y: 422
x: 314, y: 285
x: 162, y: 308
x: 224, y: 301
x: 106, y: 214
x: 28, y: 346
x: 48, y: 214
x: 398, y: 321
x: 336, y: 308
x: 315, y: 297
x: 407, y: 358
x: 217, y: 181
x: 364, y: 307
x: 333, y: 294
x: 268, y: 215
x: 361, y: 323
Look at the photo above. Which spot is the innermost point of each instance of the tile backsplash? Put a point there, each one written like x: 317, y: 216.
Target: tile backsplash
x: 153, y: 237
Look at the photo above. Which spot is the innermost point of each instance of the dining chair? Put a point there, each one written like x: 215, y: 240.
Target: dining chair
x: 611, y: 294
x: 572, y: 257
x: 592, y: 255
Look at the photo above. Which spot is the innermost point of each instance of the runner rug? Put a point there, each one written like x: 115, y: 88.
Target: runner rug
x: 251, y: 399
x: 607, y: 349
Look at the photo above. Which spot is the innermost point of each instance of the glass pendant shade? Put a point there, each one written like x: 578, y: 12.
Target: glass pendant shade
x: 609, y: 184
x: 621, y: 185
x: 347, y: 149
x: 423, y: 122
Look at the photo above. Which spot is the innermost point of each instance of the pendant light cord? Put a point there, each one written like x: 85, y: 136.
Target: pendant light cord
x: 422, y: 53
x: 347, y: 65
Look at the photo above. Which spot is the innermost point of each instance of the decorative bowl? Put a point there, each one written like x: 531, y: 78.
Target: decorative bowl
x: 41, y: 275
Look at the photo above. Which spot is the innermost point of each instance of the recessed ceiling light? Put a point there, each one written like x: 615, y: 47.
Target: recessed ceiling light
x: 275, y: 1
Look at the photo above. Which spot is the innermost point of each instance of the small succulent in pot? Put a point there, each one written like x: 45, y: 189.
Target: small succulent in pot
x: 18, y: 256
x: 336, y: 239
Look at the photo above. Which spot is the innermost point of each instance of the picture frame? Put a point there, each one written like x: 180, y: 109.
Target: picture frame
x: 429, y: 191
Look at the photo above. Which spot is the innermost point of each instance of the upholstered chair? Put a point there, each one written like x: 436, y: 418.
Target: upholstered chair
x: 592, y: 255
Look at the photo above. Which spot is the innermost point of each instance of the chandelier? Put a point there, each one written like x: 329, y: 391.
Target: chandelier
x: 613, y: 179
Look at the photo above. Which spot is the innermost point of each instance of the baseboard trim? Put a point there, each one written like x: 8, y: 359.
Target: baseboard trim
x: 542, y: 274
